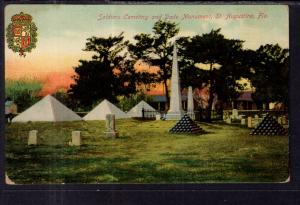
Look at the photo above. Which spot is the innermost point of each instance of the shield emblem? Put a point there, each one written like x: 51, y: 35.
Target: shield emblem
x: 21, y: 34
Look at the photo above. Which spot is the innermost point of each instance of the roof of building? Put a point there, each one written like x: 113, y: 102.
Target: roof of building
x: 245, y: 96
x: 159, y: 98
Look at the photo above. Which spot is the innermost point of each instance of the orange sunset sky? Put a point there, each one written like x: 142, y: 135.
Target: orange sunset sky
x: 63, y: 30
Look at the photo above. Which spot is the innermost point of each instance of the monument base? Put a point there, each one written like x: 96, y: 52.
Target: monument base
x: 174, y: 115
x: 112, y: 134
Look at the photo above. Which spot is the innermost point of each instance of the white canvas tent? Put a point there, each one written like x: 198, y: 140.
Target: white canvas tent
x: 136, y: 111
x: 104, y: 108
x: 47, y: 109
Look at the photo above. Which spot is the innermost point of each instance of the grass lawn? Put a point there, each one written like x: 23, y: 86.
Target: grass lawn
x: 145, y: 153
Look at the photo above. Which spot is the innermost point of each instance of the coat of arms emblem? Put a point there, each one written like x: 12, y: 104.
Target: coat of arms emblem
x: 21, y: 34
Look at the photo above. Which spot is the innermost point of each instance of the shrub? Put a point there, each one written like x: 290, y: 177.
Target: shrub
x: 24, y: 92
x: 126, y: 103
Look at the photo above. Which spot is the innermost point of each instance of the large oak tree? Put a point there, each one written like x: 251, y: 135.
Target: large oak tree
x: 156, y: 50
x: 270, y: 74
x: 222, y: 62
x: 107, y: 75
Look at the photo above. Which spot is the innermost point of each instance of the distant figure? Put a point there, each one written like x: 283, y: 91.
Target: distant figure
x: 10, y: 109
x: 143, y: 113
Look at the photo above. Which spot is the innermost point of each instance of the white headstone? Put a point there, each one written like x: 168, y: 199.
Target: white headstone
x: 250, y: 122
x: 111, y: 126
x: 243, y: 121
x: 228, y: 120
x: 32, y: 139
x: 235, y: 114
x: 157, y: 117
x: 175, y: 112
x: 76, y: 139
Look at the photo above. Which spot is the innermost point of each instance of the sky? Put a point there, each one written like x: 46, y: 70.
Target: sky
x: 63, y: 30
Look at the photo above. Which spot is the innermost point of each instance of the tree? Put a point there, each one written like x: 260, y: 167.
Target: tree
x: 107, y: 75
x: 156, y: 49
x: 62, y: 96
x: 222, y: 62
x: 24, y: 92
x: 126, y: 103
x: 270, y: 76
x: 190, y: 75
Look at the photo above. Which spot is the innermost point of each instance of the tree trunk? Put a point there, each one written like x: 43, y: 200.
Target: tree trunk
x: 210, y: 103
x: 211, y: 95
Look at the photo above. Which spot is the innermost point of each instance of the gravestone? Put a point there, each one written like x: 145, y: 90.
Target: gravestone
x: 76, y: 139
x: 228, y: 120
x: 157, y: 117
x: 243, y: 121
x: 250, y: 122
x: 235, y: 114
x: 32, y: 139
x: 111, y: 126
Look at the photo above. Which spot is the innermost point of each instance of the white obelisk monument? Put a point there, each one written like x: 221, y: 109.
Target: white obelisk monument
x: 190, y: 104
x: 175, y: 112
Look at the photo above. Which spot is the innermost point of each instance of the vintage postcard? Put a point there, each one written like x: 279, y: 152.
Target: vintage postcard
x: 146, y: 94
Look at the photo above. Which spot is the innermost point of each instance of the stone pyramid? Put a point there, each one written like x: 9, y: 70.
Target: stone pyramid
x: 186, y: 125
x: 47, y: 109
x: 136, y: 111
x: 269, y: 126
x: 104, y: 108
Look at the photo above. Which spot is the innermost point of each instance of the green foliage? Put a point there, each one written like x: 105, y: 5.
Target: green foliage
x: 190, y: 75
x: 225, y: 59
x: 156, y: 49
x: 270, y: 76
x: 106, y: 76
x: 24, y: 92
x: 126, y: 103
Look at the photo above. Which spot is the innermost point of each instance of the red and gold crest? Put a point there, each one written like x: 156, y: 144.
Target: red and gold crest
x: 21, y: 34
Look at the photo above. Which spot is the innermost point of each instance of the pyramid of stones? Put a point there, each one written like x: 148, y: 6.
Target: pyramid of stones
x: 186, y: 125
x: 269, y: 126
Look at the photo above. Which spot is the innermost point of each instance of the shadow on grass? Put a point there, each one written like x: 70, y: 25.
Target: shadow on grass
x: 36, y: 169
x: 188, y: 162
